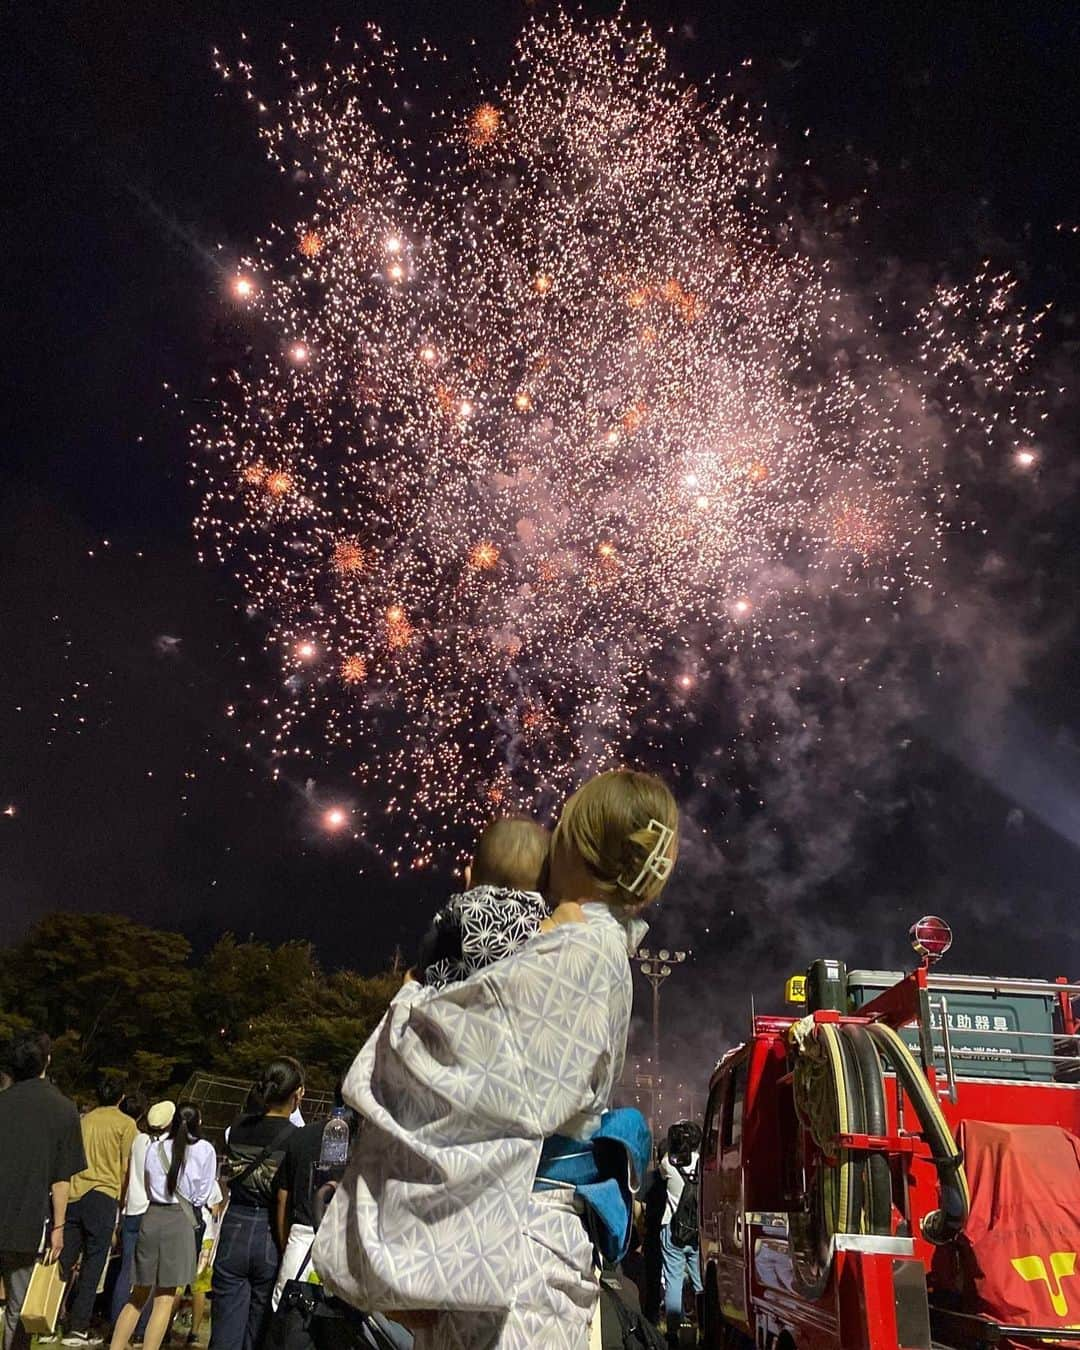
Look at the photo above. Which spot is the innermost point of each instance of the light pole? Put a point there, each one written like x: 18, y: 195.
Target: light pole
x: 656, y: 967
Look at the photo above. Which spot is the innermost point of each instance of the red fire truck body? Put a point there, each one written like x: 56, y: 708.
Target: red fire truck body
x: 762, y: 1171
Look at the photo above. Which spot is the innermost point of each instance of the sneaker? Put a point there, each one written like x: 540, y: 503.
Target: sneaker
x: 80, y: 1338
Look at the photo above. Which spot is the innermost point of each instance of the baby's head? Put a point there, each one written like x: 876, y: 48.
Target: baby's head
x: 512, y: 853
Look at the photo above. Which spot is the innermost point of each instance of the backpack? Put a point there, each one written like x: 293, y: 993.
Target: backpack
x: 684, y: 1222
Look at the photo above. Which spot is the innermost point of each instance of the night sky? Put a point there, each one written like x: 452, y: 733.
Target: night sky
x: 947, y: 778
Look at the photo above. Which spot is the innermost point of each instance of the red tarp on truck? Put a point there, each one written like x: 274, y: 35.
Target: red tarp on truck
x: 1020, y: 1250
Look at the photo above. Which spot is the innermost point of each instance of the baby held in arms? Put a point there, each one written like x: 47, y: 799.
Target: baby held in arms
x: 501, y: 909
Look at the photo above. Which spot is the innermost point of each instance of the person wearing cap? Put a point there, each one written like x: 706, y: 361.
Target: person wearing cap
x: 137, y: 1202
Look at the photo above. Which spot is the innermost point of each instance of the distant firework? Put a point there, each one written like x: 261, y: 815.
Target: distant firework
x: 551, y: 404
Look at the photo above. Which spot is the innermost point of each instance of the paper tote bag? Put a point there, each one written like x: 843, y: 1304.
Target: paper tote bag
x: 44, y: 1295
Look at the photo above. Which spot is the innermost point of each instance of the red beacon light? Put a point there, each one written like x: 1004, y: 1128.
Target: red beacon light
x: 931, y: 937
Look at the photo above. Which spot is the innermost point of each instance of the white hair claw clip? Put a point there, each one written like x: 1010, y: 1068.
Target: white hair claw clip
x: 658, y: 864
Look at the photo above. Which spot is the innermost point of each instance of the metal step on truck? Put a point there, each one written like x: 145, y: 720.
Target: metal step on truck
x: 896, y: 1165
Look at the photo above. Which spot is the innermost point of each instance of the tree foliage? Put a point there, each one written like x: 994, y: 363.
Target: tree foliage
x: 113, y: 993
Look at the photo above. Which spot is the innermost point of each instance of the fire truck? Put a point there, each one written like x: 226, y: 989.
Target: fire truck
x: 896, y: 1165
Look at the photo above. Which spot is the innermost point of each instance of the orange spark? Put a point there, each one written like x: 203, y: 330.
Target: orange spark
x: 542, y: 283
x: 523, y: 400
x: 484, y: 124
x: 399, y: 630
x: 279, y: 483
x: 483, y: 556
x: 349, y: 556
x: 354, y: 669
x: 311, y: 244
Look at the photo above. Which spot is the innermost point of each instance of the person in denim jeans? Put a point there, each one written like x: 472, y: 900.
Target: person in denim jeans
x: 247, y: 1256
x: 681, y: 1263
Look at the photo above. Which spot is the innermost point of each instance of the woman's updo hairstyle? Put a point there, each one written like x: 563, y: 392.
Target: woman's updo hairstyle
x: 281, y: 1078
x: 625, y: 828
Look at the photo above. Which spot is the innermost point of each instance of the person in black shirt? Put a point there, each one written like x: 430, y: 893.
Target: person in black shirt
x: 294, y: 1223
x: 298, y: 1209
x: 41, y: 1149
x: 247, y: 1257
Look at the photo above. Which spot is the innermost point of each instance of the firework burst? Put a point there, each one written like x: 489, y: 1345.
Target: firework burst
x: 524, y: 421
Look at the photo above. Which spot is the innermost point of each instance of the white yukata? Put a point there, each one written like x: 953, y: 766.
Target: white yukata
x: 458, y: 1088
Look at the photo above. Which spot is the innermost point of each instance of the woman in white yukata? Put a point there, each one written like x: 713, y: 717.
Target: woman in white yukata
x: 459, y: 1088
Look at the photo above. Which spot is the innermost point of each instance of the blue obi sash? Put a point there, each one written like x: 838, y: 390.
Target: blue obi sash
x: 604, y: 1171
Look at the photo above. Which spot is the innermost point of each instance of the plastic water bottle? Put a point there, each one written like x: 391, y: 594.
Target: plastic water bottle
x: 334, y: 1151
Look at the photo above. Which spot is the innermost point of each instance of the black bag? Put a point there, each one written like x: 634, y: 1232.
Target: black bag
x: 308, y: 1318
x: 621, y: 1328
x: 684, y: 1222
x: 260, y: 1171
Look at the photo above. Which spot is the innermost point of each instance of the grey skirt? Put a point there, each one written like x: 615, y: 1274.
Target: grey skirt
x: 165, y: 1254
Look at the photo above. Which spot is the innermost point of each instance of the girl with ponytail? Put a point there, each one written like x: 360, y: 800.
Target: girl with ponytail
x: 247, y: 1259
x: 180, y: 1172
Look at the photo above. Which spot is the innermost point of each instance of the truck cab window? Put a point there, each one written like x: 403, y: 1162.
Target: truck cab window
x: 710, y: 1151
x: 731, y: 1133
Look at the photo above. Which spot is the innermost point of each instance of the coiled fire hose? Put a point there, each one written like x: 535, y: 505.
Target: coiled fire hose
x: 823, y: 1105
x: 839, y: 1089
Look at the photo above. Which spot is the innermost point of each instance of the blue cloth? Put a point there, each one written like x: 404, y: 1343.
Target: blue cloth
x: 605, y: 1172
x: 680, y: 1264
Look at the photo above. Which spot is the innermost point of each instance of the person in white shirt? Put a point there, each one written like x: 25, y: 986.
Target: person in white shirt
x: 681, y: 1262
x: 136, y: 1203
x: 179, y: 1175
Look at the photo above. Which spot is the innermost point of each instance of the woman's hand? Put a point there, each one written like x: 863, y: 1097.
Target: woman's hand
x: 568, y: 912
x: 56, y: 1246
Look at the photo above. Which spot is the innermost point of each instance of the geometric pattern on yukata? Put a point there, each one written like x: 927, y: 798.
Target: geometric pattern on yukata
x: 457, y: 1089
x: 556, y: 1293
x: 488, y: 924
